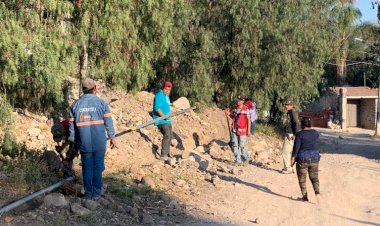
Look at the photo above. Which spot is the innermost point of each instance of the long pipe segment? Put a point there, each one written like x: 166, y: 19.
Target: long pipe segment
x: 148, y: 123
x: 27, y: 198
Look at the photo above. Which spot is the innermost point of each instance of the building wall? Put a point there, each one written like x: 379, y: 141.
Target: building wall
x: 368, y: 113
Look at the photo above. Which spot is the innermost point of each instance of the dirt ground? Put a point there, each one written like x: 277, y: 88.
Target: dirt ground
x: 205, y: 183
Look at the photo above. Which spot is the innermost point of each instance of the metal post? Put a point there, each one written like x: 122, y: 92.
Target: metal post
x: 378, y: 111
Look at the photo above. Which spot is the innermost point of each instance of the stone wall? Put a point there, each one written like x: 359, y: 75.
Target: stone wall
x: 368, y: 113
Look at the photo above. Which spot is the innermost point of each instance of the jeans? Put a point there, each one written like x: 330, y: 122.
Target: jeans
x: 166, y: 130
x: 253, y: 127
x: 240, y: 147
x: 92, y: 169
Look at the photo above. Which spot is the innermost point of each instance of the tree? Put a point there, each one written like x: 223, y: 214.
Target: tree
x: 343, y: 17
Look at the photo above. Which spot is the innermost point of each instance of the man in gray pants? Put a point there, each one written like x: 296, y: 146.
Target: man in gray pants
x: 291, y: 128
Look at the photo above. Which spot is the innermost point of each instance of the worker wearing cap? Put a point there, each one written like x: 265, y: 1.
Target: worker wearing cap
x: 90, y: 118
x: 241, y: 128
x: 161, y: 107
x: 291, y: 128
x: 61, y: 133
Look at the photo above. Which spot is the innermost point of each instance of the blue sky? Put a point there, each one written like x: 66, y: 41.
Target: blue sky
x: 368, y: 14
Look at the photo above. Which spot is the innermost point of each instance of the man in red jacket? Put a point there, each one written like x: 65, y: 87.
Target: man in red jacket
x: 241, y: 128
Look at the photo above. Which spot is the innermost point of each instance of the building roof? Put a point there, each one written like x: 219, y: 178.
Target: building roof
x: 358, y: 92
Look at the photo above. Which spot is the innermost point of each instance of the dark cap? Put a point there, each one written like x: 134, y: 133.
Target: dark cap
x: 88, y: 84
x: 248, y: 98
x: 289, y: 102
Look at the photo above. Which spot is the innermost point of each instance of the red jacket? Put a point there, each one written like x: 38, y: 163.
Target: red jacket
x: 240, y: 117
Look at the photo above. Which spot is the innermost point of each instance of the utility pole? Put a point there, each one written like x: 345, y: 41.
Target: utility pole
x: 365, y: 80
x: 378, y: 111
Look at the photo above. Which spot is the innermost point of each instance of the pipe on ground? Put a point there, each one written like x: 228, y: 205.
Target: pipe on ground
x: 27, y: 198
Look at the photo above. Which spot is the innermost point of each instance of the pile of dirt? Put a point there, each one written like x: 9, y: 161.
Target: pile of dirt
x: 200, y: 154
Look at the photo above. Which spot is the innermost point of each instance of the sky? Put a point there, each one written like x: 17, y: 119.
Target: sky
x: 368, y: 14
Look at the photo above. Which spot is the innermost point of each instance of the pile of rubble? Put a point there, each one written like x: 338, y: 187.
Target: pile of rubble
x: 200, y: 156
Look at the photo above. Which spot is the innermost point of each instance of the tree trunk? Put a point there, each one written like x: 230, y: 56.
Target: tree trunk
x: 341, y: 73
x: 39, y: 8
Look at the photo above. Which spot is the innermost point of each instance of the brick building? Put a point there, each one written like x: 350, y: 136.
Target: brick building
x: 353, y: 106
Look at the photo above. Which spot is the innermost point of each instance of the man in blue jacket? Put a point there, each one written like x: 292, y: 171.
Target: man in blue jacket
x: 161, y: 107
x: 90, y: 117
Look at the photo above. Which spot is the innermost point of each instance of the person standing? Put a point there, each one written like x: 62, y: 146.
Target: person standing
x: 291, y: 128
x: 90, y: 118
x: 161, y: 107
x: 241, y: 128
x: 252, y: 112
x: 307, y: 156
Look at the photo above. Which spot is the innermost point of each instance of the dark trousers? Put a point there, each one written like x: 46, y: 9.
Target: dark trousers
x: 312, y: 169
x: 166, y: 130
x: 92, y: 169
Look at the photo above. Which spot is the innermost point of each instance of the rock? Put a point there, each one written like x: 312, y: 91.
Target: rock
x: 205, y: 165
x: 90, y: 204
x: 134, y: 212
x: 200, y: 149
x: 147, y: 218
x: 104, y: 202
x: 223, y: 169
x: 128, y: 209
x: 234, y: 171
x: 137, y: 172
x: 192, y: 159
x: 216, y: 180
x: 181, y: 103
x: 79, y: 210
x: 174, y: 143
x: 56, y: 200
x: 208, y: 177
x: 171, y: 161
x: 148, y: 181
x: 33, y: 132
x: 185, y: 154
x: 215, y: 150
x: 174, y: 205
x: 179, y: 182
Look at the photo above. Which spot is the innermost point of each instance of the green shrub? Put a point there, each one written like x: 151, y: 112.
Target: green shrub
x: 5, y: 112
x: 270, y: 129
x: 28, y: 171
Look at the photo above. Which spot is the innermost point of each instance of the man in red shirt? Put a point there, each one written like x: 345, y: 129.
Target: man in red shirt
x: 61, y: 134
x: 241, y: 128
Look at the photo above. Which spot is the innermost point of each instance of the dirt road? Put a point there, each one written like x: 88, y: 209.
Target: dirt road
x: 349, y: 181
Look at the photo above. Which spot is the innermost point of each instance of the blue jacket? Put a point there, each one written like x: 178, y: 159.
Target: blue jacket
x: 90, y: 117
x: 305, y: 146
x: 161, y: 102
